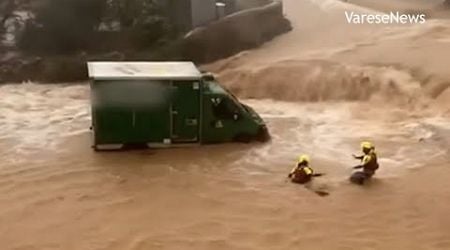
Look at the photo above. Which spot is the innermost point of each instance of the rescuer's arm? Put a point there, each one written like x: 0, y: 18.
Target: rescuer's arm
x: 292, y: 172
x: 365, y: 160
x: 358, y: 157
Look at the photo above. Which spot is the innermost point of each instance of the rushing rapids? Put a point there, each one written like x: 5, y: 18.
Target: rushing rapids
x: 322, y: 88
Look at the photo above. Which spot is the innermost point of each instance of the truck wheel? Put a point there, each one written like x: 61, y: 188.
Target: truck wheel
x: 244, y: 138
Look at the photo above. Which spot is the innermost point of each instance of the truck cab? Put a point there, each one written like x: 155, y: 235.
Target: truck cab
x: 227, y: 119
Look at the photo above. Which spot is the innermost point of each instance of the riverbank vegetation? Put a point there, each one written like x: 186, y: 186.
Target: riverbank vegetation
x: 51, y: 40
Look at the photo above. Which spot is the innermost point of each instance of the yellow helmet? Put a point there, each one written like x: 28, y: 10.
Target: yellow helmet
x: 366, y: 145
x: 303, y: 158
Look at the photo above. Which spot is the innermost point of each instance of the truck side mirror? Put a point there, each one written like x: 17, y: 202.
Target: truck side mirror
x: 208, y: 77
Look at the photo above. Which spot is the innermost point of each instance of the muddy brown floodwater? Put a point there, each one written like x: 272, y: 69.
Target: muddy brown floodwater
x: 322, y: 88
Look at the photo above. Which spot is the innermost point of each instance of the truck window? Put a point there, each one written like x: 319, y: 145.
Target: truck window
x: 235, y: 100
x: 225, y: 109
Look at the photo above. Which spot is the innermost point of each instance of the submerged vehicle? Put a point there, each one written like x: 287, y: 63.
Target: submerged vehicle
x: 165, y: 104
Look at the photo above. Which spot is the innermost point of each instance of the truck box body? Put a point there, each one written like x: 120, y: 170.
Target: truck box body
x: 159, y: 103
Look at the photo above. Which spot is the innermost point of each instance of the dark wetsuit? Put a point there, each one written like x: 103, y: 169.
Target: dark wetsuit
x: 369, y: 165
x: 301, y: 174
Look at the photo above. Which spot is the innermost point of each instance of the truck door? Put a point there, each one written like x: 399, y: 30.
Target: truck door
x: 185, y: 111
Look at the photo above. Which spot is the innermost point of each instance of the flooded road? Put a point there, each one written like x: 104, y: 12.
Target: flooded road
x: 321, y: 89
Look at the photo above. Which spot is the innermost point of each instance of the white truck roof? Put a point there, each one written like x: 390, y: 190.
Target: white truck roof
x: 143, y: 70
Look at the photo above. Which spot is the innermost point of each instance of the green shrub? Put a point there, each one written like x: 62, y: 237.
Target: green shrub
x: 67, y: 26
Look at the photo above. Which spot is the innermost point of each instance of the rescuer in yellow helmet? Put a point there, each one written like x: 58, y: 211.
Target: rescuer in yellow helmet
x: 369, y: 164
x: 302, y: 173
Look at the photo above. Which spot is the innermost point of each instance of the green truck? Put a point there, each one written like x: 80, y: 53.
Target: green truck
x: 163, y: 104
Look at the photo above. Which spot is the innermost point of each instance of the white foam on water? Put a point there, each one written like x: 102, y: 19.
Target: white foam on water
x: 330, y: 133
x: 37, y: 116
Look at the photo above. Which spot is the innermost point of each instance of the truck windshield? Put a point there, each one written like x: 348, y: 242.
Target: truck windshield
x: 236, y: 101
x: 217, y: 88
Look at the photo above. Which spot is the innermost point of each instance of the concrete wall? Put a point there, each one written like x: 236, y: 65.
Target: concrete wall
x: 240, y: 31
x: 179, y: 12
x: 188, y: 14
x: 230, y: 6
x: 203, y: 12
x: 248, y: 4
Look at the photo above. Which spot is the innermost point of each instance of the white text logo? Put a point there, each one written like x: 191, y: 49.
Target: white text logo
x: 391, y: 18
